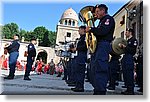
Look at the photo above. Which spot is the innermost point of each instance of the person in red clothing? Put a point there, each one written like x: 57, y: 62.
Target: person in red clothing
x: 2, y: 58
x: 19, y: 66
x: 46, y: 68
x: 39, y: 67
x: 5, y: 64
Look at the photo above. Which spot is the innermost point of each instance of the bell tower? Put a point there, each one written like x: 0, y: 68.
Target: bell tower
x: 67, y: 28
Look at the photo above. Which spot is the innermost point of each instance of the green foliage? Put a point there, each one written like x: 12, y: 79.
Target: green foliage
x: 46, y: 38
x: 39, y: 33
x: 9, y: 30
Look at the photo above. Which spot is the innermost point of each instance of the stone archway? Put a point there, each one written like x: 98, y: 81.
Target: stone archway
x: 42, y: 54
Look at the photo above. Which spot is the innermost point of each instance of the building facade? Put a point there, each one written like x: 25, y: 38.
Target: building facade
x: 67, y: 28
x: 130, y: 16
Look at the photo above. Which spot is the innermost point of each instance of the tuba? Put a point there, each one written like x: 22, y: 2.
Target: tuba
x: 87, y: 17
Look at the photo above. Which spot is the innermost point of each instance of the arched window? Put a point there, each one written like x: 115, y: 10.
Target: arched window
x: 65, y: 22
x: 73, y: 23
x: 69, y: 22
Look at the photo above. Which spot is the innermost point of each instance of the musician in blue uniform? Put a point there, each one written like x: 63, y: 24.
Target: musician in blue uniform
x: 128, y: 61
x: 114, y: 67
x: 80, y: 61
x: 30, y: 58
x: 99, y: 60
x: 139, y: 70
x: 13, y: 50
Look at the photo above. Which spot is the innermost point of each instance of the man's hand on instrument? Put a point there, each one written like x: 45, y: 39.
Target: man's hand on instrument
x: 121, y: 45
x: 87, y: 29
x: 73, y: 49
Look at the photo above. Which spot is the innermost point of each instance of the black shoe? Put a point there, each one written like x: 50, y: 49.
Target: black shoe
x: 78, y: 90
x: 63, y: 78
x: 73, y: 88
x: 124, y: 86
x: 127, y: 93
x: 140, y: 90
x: 117, y: 83
x: 110, y: 88
x: 27, y: 78
x: 71, y: 84
x: 99, y: 93
x: 87, y: 80
x: 9, y: 77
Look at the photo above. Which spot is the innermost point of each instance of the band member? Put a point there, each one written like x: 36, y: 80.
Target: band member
x: 128, y: 62
x: 139, y: 70
x: 99, y: 60
x: 30, y: 58
x: 114, y: 67
x: 13, y: 50
x: 80, y: 61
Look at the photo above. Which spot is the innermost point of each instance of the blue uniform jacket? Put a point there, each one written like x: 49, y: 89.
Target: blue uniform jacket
x: 31, y: 50
x: 14, y: 47
x: 131, y: 46
x: 105, y: 29
x: 82, y: 50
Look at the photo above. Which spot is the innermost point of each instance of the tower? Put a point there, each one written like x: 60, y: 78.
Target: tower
x: 67, y: 28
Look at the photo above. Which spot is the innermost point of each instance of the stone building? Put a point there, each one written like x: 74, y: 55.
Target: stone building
x: 67, y: 31
x: 130, y: 16
x: 67, y: 28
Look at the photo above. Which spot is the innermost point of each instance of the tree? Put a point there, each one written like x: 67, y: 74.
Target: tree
x: 6, y: 33
x: 22, y: 33
x: 9, y: 30
x: 45, y: 41
x: 46, y: 38
x: 39, y: 32
x: 52, y: 37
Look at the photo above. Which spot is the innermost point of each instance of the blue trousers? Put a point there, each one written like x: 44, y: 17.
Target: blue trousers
x: 80, y: 75
x: 29, y: 66
x: 113, y: 71
x: 12, y: 62
x: 72, y: 70
x: 80, y: 67
x: 99, y: 66
x: 128, y: 70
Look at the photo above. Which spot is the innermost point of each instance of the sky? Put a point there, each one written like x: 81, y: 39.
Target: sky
x: 28, y: 15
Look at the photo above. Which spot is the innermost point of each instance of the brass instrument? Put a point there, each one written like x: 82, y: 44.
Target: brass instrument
x: 5, y: 48
x: 115, y: 45
x: 87, y: 17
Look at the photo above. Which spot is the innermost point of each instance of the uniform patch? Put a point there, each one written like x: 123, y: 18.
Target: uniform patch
x: 30, y: 46
x: 107, y: 22
x: 135, y: 43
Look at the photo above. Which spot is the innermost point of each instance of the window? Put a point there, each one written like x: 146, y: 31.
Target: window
x: 122, y: 34
x: 69, y: 22
x: 73, y: 23
x: 123, y: 20
x: 65, y: 22
x: 68, y: 34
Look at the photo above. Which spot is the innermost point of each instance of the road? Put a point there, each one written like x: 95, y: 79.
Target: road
x: 46, y: 84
